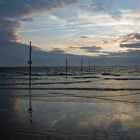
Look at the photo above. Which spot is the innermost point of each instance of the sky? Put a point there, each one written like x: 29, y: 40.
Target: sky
x: 107, y: 31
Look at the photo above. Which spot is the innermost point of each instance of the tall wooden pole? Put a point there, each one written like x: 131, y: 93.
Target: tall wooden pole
x: 30, y: 64
x: 30, y: 72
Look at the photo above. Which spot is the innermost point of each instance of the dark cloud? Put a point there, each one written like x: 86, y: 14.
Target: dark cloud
x: 130, y: 45
x: 84, y: 36
x: 134, y: 35
x: 131, y: 57
x: 129, y: 53
x: 57, y: 51
x: 27, y: 19
x: 131, y: 41
x: 18, y: 8
x: 8, y: 30
x: 133, y: 53
x: 91, y: 49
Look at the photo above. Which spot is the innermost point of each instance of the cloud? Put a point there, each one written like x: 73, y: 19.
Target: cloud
x: 27, y: 19
x: 18, y: 8
x: 102, y: 7
x: 57, y: 51
x: 134, y: 35
x: 8, y: 30
x: 128, y: 54
x: 130, y: 45
x: 84, y: 36
x: 131, y: 41
x: 12, y: 12
x: 91, y: 49
x: 109, y: 14
x: 98, y: 6
x: 131, y: 16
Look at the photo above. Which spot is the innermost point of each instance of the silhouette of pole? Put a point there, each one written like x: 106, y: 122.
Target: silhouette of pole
x: 30, y: 64
x: 66, y: 67
x: 81, y: 65
x: 30, y: 72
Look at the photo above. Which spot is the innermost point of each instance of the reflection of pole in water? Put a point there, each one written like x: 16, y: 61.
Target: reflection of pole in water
x: 30, y: 107
x: 30, y: 70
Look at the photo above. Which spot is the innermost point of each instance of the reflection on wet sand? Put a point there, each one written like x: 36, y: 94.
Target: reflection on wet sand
x: 30, y: 110
x: 74, y: 120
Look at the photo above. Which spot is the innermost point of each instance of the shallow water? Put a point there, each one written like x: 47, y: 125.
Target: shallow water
x: 96, y: 105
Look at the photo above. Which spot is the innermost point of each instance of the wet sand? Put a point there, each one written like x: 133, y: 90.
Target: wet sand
x: 80, y: 113
x: 97, y: 119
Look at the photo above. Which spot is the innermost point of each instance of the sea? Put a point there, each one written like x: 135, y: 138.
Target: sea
x: 92, y: 103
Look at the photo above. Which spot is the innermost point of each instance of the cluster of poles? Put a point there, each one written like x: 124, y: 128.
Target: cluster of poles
x: 30, y: 73
x: 81, y: 66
